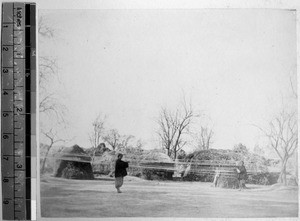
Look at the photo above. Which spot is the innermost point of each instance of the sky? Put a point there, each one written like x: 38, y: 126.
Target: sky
x: 233, y: 65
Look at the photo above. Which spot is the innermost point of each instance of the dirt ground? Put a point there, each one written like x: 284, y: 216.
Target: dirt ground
x: 141, y: 198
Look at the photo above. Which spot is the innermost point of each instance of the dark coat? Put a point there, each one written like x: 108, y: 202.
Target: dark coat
x: 120, y: 169
x: 242, y: 175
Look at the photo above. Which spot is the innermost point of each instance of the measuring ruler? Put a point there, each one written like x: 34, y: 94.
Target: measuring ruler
x: 18, y: 77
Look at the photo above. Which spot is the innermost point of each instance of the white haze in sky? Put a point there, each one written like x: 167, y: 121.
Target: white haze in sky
x: 234, y: 65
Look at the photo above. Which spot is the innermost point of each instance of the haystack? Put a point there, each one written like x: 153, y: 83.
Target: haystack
x: 74, y: 163
x: 156, y: 156
x: 105, y: 164
x: 254, y: 164
x: 157, y: 166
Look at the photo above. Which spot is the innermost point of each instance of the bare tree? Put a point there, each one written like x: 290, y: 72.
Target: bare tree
x: 44, y: 29
x: 204, y: 138
x: 293, y: 84
x: 47, y: 70
x: 283, y: 138
x: 117, y: 141
x: 49, y: 104
x: 173, y: 126
x: 112, y: 138
x: 98, y: 130
x: 139, y: 144
x: 50, y: 108
x: 125, y: 142
x: 47, y: 65
x: 97, y: 134
x: 258, y: 150
x: 51, y: 135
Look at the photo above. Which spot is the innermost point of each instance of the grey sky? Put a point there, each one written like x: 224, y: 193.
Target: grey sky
x: 233, y: 64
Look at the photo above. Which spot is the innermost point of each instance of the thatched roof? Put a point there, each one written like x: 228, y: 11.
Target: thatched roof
x: 156, y: 156
x: 252, y: 161
x: 74, y: 153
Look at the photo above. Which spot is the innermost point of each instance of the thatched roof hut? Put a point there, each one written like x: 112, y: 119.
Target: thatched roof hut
x: 105, y: 164
x: 74, y: 163
x: 157, y: 165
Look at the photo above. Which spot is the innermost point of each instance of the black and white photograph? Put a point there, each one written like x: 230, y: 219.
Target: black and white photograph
x: 168, y: 113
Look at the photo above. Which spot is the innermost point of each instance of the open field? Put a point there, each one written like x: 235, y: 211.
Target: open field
x: 141, y: 198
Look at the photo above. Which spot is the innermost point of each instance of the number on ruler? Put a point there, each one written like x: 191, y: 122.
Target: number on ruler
x: 5, y: 137
x: 5, y: 202
x: 5, y: 48
x: 5, y: 158
x: 5, y: 70
x: 5, y: 93
x: 5, y: 114
x: 5, y: 180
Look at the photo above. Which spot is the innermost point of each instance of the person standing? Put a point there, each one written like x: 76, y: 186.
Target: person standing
x: 120, y: 172
x: 242, y: 175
